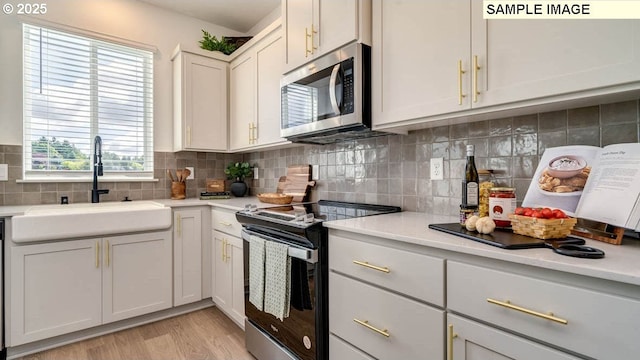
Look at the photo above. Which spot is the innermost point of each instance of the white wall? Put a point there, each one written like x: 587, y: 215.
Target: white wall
x: 127, y: 19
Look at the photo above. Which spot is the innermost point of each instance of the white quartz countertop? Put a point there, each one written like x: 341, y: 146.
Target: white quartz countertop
x: 619, y: 264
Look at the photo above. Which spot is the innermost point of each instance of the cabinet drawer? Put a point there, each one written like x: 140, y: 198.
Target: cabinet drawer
x: 338, y: 349
x: 415, y: 330
x: 416, y: 275
x: 602, y: 334
x: 226, y: 222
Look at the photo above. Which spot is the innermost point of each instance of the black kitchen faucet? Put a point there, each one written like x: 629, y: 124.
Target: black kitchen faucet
x: 97, y: 170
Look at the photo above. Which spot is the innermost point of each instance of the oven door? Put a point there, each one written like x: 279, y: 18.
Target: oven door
x: 297, y: 332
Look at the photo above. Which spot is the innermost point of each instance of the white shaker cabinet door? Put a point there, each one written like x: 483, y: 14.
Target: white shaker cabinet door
x: 55, y: 289
x: 468, y: 340
x: 187, y: 256
x: 420, y: 59
x: 137, y: 275
x: 270, y: 66
x: 242, y: 93
x: 533, y: 59
x: 221, y: 287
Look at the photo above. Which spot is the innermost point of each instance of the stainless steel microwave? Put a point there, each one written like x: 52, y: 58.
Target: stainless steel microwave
x: 329, y: 99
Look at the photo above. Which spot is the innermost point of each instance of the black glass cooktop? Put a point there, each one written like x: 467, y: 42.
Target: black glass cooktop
x: 308, y: 214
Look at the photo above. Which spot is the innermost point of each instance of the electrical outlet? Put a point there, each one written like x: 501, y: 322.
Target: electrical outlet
x: 315, y: 172
x: 192, y: 175
x: 255, y: 173
x: 4, y: 172
x: 437, y: 168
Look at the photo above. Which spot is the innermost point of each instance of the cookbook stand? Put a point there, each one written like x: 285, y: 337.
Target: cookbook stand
x: 598, y: 231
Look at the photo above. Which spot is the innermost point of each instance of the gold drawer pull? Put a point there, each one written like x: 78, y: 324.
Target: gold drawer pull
x: 508, y: 305
x: 367, y: 265
x: 452, y: 336
x: 365, y: 323
x: 225, y: 223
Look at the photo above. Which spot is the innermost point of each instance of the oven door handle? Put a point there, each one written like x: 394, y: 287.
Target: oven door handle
x: 308, y: 255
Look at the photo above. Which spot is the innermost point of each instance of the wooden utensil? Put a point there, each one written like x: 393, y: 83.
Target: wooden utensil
x: 170, y: 175
x: 179, y: 175
x: 186, y: 173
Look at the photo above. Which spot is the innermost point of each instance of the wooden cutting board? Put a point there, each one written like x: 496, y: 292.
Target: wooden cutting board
x: 297, y: 183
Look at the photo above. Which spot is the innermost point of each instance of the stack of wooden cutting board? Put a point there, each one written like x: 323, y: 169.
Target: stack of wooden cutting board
x: 296, y: 183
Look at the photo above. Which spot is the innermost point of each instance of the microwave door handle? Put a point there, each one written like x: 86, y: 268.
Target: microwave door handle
x: 332, y: 89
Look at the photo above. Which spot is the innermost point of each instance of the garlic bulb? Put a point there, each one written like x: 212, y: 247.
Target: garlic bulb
x: 485, y: 225
x: 470, y: 223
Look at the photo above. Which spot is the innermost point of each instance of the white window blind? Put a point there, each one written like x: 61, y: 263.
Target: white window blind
x: 76, y: 88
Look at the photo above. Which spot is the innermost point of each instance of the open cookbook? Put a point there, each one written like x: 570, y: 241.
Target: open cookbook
x: 588, y: 182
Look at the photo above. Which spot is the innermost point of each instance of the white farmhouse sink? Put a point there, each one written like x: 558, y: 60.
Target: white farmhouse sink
x: 54, y: 222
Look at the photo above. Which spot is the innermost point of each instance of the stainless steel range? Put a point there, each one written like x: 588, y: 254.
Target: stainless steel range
x: 303, y: 334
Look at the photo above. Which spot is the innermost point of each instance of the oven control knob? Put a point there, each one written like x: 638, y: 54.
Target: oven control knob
x: 307, y: 342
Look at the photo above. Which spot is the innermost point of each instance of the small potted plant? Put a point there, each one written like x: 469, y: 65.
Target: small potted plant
x: 212, y: 43
x: 238, y: 172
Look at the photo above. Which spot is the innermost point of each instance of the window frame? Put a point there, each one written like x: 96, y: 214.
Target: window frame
x: 97, y: 41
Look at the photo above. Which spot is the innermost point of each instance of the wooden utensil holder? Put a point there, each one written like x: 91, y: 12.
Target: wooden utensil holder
x: 178, y: 190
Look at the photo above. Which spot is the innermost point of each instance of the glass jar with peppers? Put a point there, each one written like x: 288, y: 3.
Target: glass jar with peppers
x: 502, y: 202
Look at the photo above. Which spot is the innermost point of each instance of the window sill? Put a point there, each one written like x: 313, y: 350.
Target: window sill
x: 85, y: 180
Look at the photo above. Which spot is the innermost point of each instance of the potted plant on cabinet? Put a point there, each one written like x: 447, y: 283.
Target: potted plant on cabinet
x: 238, y: 172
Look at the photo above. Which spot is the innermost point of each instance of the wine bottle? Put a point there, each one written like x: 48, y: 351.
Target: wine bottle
x: 470, y: 193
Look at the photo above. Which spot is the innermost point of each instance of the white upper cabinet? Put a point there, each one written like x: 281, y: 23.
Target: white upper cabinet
x: 417, y: 47
x: 434, y: 60
x: 316, y: 27
x: 254, y: 92
x: 530, y: 59
x: 199, y: 102
x: 242, y: 93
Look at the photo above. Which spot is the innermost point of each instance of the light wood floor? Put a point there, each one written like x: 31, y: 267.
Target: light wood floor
x: 203, y: 334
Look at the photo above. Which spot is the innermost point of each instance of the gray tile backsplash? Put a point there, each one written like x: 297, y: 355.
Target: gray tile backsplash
x: 390, y: 169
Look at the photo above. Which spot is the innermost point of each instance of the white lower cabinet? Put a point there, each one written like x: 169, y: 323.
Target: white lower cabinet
x: 187, y: 256
x: 61, y: 287
x: 387, y: 301
x: 469, y: 340
x: 384, y: 303
x: 136, y: 275
x: 578, y: 319
x: 228, y: 280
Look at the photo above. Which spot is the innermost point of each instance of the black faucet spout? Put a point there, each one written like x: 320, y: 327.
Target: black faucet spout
x: 97, y: 170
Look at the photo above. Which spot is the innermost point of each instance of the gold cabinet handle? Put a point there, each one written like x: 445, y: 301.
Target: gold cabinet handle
x: 365, y: 323
x: 188, y: 135
x: 250, y: 133
x: 224, y: 249
x: 108, y: 251
x: 508, y: 305
x: 255, y: 130
x: 452, y: 336
x: 97, y: 254
x: 460, y: 73
x: 313, y: 47
x: 476, y: 67
x: 306, y: 42
x: 367, y: 265
x: 224, y: 223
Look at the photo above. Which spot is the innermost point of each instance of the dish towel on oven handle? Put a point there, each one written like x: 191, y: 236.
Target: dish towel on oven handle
x: 256, y: 271
x: 277, y: 282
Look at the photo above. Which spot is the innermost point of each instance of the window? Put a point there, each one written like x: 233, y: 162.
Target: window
x: 76, y: 88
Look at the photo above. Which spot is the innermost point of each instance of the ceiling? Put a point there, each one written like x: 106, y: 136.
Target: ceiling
x: 239, y: 15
